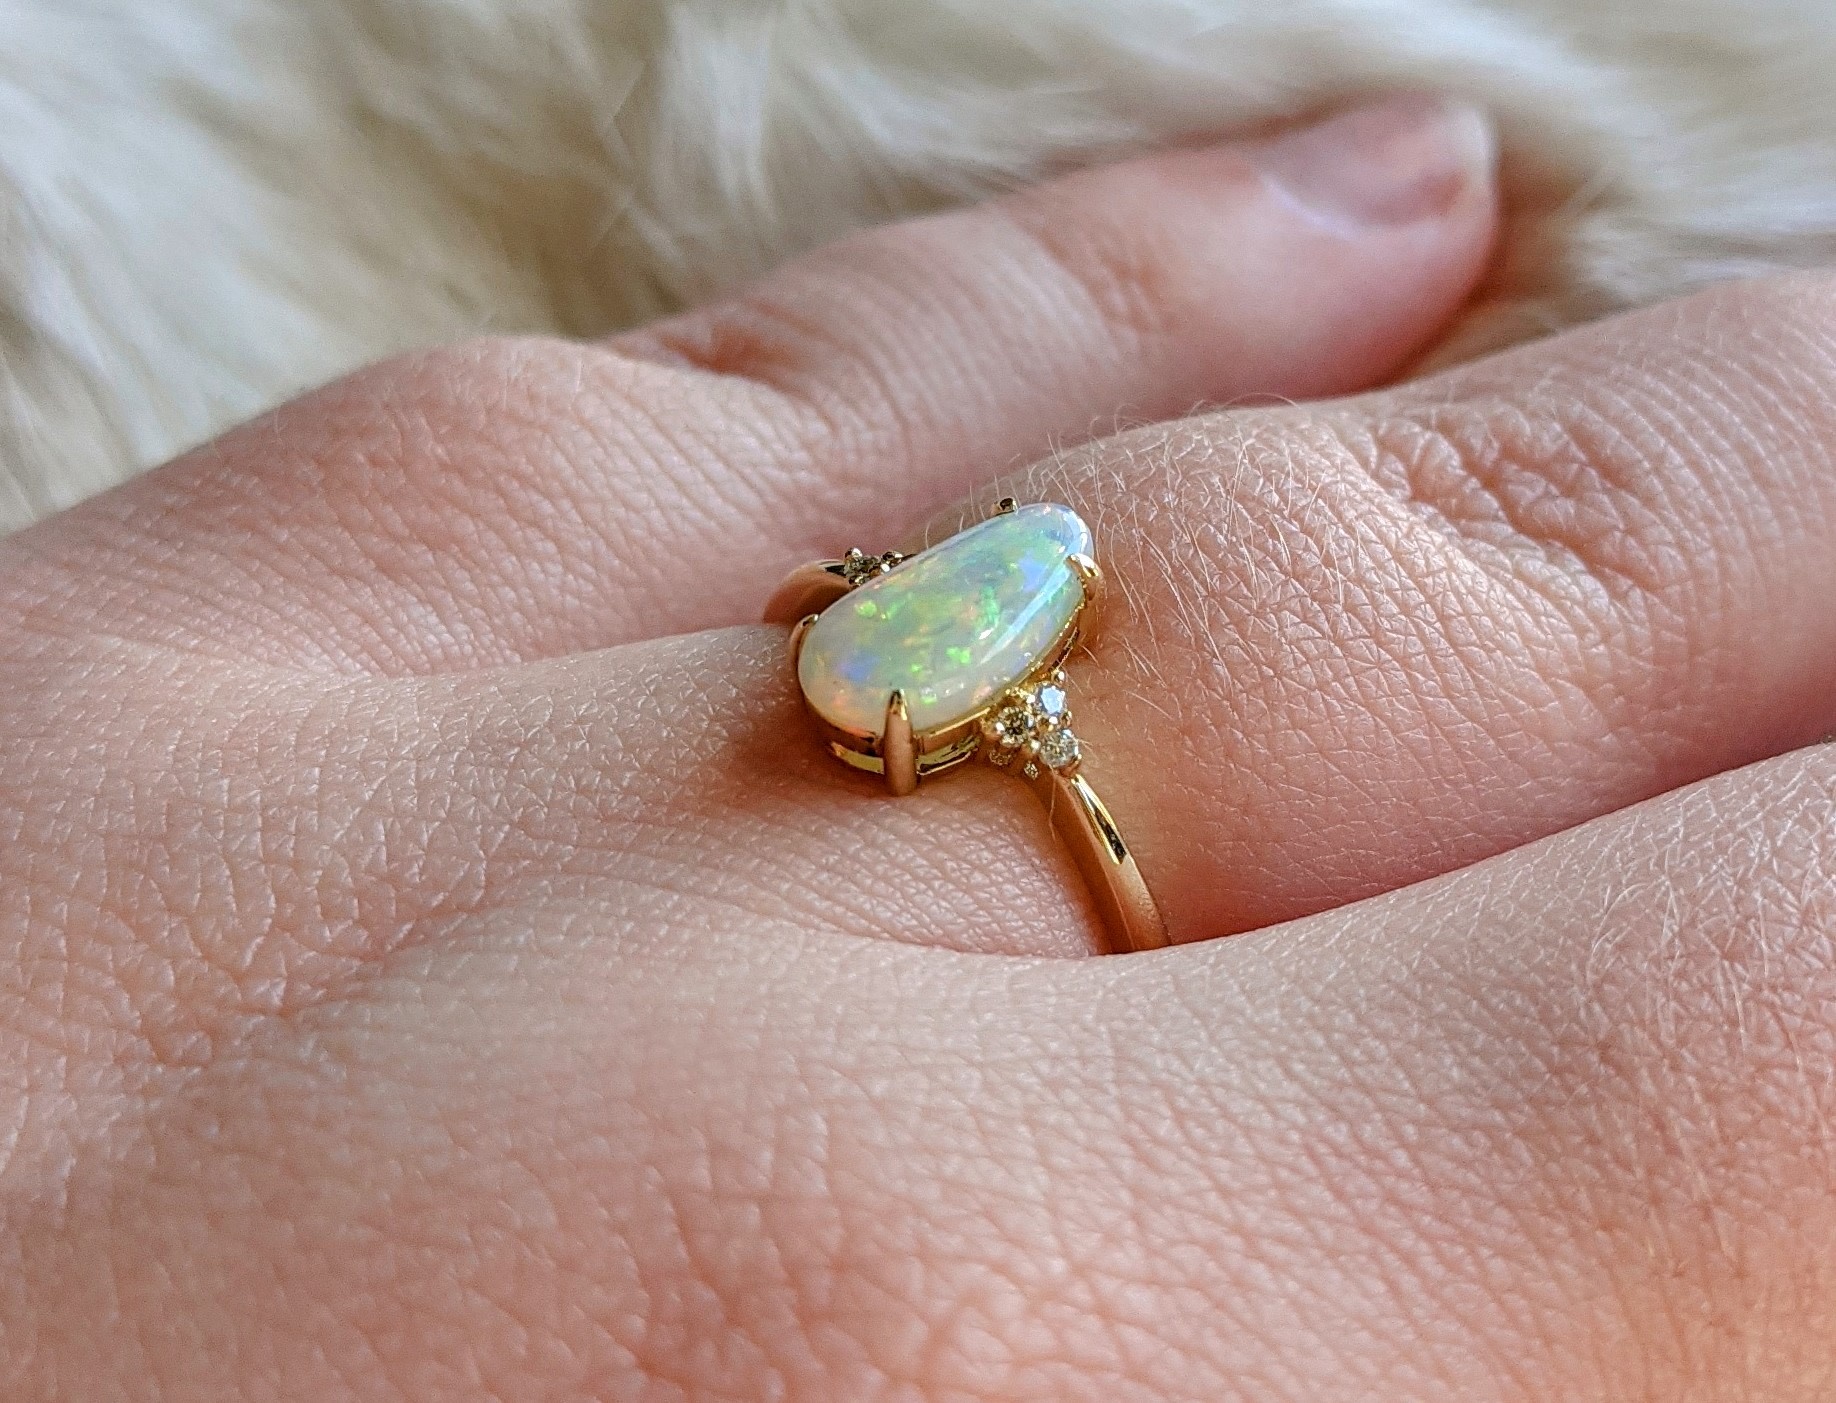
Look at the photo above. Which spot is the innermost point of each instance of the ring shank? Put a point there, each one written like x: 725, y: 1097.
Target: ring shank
x: 809, y: 589
x: 1131, y: 920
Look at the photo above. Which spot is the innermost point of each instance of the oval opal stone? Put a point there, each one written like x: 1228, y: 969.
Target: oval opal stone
x: 952, y: 628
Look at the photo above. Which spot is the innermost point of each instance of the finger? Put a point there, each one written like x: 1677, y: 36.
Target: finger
x: 1363, y: 646
x: 1137, y: 291
x: 1357, y: 646
x: 515, y: 499
x: 1518, y: 1135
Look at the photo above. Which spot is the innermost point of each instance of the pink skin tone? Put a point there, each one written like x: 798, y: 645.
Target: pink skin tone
x: 440, y: 963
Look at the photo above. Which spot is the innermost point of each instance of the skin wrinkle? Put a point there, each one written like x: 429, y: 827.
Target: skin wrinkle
x: 763, y: 341
x: 1538, y: 485
x: 1130, y: 287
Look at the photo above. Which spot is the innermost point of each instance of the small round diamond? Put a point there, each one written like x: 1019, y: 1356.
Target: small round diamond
x: 1052, y: 702
x: 1060, y: 750
x: 1007, y: 731
x: 1012, y: 724
x: 858, y: 567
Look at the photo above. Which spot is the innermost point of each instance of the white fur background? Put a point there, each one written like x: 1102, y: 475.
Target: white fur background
x: 207, y: 205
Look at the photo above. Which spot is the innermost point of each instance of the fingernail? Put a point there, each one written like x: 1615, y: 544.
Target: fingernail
x: 1400, y: 161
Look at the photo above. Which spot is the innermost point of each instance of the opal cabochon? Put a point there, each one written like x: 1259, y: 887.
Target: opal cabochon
x: 952, y: 628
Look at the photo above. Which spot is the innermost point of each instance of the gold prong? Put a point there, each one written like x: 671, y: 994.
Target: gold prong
x: 898, y: 749
x: 799, y: 631
x: 1096, y: 590
x: 1007, y: 506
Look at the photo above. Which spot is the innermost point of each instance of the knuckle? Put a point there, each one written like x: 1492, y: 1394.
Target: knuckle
x: 799, y: 353
x: 499, y: 387
x: 1558, y: 495
x: 1634, y: 462
x: 464, y: 370
x: 750, y: 337
x: 434, y: 409
x: 1131, y: 278
x: 515, y: 431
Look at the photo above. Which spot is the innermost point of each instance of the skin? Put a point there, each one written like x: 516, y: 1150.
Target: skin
x: 439, y: 964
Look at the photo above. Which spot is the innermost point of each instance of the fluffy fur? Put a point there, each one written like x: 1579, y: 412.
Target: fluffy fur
x: 206, y: 205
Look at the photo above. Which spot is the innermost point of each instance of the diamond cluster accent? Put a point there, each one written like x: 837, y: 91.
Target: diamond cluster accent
x: 858, y: 566
x: 1030, y: 727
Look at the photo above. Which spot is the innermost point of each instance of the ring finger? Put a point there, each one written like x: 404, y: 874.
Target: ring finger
x: 1361, y: 645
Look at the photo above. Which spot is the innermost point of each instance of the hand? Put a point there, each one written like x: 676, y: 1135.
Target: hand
x: 435, y: 971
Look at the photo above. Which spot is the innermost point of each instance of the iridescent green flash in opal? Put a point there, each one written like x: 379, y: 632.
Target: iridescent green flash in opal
x: 953, y: 627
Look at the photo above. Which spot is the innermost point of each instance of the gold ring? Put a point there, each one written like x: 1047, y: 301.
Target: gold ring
x: 958, y: 652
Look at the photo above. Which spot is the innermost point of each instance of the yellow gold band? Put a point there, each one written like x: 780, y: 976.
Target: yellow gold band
x: 1131, y: 920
